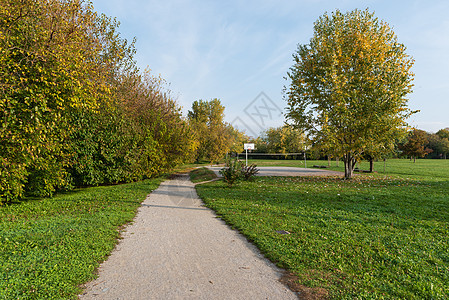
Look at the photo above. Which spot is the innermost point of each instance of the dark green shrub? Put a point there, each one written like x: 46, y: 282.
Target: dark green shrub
x: 248, y: 172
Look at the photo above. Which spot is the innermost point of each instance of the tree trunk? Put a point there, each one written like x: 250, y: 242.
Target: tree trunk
x: 349, y: 165
x: 371, y: 165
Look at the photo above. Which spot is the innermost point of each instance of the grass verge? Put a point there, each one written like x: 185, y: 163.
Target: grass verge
x: 49, y: 247
x: 202, y: 174
x: 373, y: 237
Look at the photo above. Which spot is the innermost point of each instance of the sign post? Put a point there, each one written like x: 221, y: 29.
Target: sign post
x: 305, y: 159
x: 248, y: 147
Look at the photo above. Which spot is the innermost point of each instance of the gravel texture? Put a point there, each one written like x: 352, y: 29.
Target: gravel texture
x: 178, y: 249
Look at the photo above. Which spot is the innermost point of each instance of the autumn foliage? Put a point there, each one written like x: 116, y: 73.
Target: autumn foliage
x: 349, y: 86
x: 74, y: 108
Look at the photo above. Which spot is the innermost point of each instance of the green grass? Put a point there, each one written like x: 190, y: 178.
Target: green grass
x: 423, y: 168
x: 202, y: 174
x: 373, y: 237
x: 188, y: 167
x: 49, y: 247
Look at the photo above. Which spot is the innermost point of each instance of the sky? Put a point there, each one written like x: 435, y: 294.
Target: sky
x: 241, y: 51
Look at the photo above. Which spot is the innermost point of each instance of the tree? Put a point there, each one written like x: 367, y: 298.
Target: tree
x: 443, y: 146
x: 260, y: 143
x: 212, y: 134
x: 284, y: 139
x: 349, y: 85
x: 415, y: 145
x: 49, y: 67
x: 443, y: 133
x: 438, y: 143
x: 237, y: 139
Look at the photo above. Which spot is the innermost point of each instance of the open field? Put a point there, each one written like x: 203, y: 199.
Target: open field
x: 371, y: 237
x: 423, y: 168
x: 48, y: 247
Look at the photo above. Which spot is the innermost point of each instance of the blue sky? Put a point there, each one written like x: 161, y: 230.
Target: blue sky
x: 240, y: 51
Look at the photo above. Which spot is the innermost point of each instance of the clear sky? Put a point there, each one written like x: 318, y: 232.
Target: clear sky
x: 240, y: 51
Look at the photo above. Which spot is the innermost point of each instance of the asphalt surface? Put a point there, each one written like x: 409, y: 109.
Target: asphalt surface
x: 286, y: 171
x: 178, y: 249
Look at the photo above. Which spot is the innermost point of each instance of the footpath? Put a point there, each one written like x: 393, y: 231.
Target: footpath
x: 178, y: 249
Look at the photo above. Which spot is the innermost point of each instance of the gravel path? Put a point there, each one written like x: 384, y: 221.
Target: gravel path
x: 177, y: 249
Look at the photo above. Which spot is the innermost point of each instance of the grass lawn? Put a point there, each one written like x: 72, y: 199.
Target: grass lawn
x: 202, y: 174
x: 49, y: 247
x: 373, y: 237
x: 423, y: 168
x: 188, y: 167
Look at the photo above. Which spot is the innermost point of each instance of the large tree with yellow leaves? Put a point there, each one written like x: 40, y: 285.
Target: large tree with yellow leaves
x: 349, y: 85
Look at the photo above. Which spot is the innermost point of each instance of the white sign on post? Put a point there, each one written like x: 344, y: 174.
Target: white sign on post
x: 248, y: 147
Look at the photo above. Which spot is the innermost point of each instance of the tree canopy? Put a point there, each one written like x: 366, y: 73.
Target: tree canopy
x: 415, y: 146
x: 349, y: 85
x: 284, y: 139
x: 214, y: 136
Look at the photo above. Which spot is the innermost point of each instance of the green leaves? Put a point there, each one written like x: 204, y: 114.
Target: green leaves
x: 214, y: 137
x: 74, y: 108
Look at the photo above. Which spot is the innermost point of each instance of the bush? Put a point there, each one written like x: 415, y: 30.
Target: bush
x: 232, y: 172
x: 249, y: 171
x: 235, y: 170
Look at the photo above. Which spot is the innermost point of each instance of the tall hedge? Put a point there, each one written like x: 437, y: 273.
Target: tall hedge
x: 74, y: 108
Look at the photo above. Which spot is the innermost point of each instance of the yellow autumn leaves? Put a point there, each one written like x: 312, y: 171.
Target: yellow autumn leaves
x: 355, y: 73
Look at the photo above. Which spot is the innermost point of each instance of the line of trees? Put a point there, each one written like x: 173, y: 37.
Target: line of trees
x: 280, y: 140
x: 74, y: 108
x: 416, y: 144
x: 420, y: 143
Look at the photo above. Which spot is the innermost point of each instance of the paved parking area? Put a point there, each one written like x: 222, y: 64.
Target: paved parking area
x: 287, y: 171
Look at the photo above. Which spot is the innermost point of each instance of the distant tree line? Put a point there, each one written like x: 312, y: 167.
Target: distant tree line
x: 288, y: 140
x: 280, y: 140
x: 420, y: 143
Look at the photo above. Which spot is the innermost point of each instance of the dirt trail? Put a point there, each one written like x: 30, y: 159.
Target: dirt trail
x: 177, y: 249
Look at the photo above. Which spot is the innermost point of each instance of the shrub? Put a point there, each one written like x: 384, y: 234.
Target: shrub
x: 248, y: 172
x: 232, y: 172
